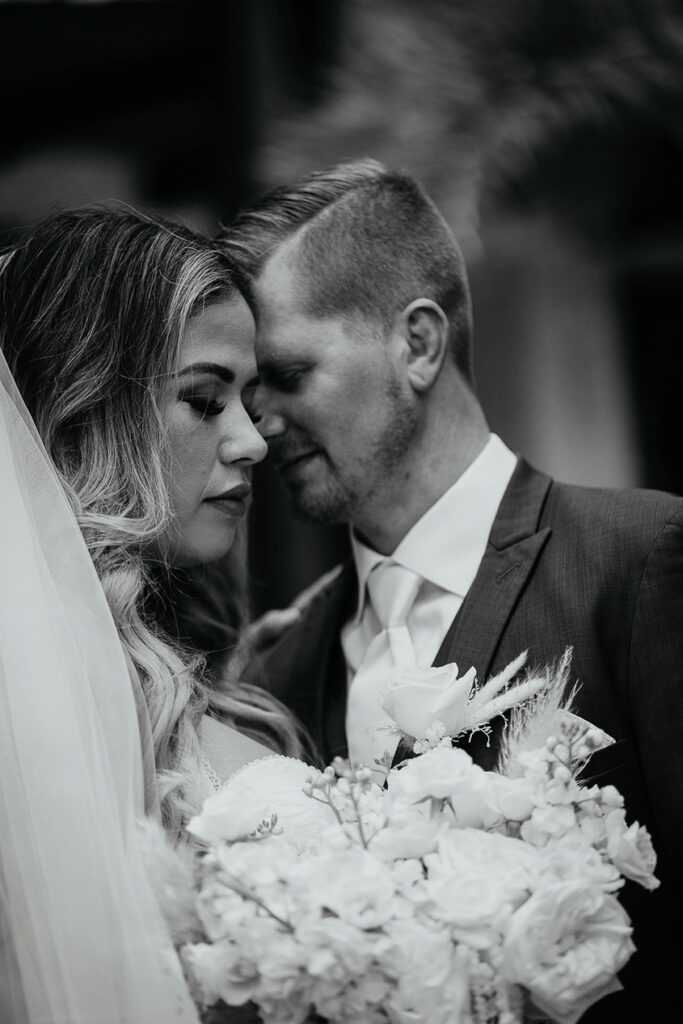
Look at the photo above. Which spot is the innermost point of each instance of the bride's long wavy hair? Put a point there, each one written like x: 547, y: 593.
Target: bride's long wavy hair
x: 93, y: 307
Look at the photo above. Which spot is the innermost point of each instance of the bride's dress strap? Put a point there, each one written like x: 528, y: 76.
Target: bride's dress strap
x: 225, y: 750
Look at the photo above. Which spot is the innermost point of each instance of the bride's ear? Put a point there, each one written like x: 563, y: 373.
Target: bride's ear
x: 421, y: 331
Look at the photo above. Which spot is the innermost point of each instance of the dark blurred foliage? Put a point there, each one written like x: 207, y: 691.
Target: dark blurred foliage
x: 166, y: 86
x: 503, y: 101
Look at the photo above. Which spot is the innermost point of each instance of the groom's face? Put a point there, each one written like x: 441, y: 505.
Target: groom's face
x: 335, y: 411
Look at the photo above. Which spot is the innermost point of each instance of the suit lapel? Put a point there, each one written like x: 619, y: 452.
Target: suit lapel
x: 514, y: 547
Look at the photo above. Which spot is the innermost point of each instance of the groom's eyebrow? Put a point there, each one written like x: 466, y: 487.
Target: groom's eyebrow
x: 216, y: 368
x: 276, y: 368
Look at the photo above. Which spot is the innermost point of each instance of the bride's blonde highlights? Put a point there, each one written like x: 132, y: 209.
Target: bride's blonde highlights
x: 93, y: 306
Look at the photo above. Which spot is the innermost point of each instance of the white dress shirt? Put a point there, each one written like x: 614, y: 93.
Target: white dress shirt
x: 445, y: 547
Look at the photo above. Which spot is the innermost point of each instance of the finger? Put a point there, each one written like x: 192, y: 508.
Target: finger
x: 272, y: 625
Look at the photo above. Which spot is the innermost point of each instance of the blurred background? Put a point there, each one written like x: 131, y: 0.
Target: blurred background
x: 549, y: 132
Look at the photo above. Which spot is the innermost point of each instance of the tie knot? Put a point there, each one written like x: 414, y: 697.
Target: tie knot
x: 392, y: 589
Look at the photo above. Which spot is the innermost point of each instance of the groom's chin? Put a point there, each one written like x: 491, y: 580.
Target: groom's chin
x: 313, y: 503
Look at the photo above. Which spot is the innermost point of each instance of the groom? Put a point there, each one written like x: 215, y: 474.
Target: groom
x: 461, y: 551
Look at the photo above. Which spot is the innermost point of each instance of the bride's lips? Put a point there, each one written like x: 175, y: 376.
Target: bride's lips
x: 232, y: 502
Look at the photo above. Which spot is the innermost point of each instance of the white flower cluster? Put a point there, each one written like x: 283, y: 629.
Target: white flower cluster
x: 452, y: 895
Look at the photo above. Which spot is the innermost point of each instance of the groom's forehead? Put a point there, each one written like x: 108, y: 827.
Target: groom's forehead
x: 282, y: 317
x: 281, y: 283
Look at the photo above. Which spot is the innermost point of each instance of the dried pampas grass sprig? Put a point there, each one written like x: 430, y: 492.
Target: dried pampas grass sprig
x: 171, y: 870
x: 530, y: 725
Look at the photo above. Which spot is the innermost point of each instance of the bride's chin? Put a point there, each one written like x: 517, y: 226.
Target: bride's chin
x: 184, y: 551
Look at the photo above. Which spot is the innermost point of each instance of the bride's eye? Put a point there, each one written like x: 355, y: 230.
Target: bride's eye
x: 204, y: 406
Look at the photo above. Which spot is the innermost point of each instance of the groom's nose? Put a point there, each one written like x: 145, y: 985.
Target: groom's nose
x: 271, y: 424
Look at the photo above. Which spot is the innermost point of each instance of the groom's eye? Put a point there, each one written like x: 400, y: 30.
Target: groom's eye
x: 288, y: 380
x: 249, y: 402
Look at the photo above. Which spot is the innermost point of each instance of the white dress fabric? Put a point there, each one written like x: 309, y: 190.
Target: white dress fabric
x: 225, y: 751
x: 277, y: 782
x: 81, y: 938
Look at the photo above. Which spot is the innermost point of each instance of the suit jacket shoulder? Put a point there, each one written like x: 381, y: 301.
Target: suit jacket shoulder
x: 602, y: 515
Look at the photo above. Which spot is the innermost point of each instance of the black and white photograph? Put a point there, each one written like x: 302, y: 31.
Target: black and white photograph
x: 341, y: 511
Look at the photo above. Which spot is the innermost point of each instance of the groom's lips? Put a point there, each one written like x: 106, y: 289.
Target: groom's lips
x: 290, y: 463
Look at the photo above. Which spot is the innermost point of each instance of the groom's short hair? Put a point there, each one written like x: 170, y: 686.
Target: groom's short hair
x: 368, y: 241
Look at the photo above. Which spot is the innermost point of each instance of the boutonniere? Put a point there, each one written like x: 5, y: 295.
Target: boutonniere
x: 435, y: 705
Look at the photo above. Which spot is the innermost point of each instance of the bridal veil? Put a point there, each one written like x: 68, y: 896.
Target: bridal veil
x: 81, y: 938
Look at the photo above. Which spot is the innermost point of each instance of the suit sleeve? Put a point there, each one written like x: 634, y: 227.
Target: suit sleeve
x: 656, y: 681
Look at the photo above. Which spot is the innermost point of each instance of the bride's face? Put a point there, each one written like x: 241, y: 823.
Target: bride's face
x: 212, y: 437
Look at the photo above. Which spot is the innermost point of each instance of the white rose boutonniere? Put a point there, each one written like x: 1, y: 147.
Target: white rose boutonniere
x: 420, y: 697
x: 427, y: 704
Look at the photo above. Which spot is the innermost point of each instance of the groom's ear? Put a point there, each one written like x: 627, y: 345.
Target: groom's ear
x: 421, y: 334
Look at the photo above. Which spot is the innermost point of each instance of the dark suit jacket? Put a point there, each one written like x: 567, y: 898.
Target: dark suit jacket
x: 598, y: 570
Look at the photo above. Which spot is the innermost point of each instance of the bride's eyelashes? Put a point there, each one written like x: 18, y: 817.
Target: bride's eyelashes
x: 203, y: 405
x: 207, y: 407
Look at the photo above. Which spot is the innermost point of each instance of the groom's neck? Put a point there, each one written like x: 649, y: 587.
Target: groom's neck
x: 429, y: 471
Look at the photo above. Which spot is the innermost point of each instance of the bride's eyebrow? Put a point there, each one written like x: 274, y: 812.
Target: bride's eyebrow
x: 215, y: 368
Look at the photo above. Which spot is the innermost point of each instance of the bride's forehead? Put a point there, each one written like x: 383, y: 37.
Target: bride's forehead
x: 222, y: 333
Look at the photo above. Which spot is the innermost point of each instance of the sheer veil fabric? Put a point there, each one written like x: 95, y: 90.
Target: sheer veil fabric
x: 81, y: 938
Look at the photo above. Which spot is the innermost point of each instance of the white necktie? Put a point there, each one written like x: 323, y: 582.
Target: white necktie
x: 392, y: 590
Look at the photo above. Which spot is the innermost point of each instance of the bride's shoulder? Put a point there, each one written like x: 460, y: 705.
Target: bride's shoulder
x: 226, y: 749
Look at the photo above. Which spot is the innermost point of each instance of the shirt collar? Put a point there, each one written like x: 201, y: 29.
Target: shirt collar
x: 446, y: 545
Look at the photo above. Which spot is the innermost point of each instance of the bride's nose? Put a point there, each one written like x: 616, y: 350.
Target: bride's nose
x: 242, y: 442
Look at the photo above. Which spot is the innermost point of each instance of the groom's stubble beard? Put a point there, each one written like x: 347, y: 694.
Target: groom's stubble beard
x: 334, y: 493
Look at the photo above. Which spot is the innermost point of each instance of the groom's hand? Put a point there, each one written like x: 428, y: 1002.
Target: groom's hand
x: 264, y: 632
x: 260, y: 635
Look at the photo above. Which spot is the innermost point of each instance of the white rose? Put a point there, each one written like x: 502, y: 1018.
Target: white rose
x: 339, y: 950
x: 406, y: 835
x: 432, y: 977
x: 573, y: 857
x: 548, y: 821
x: 218, y: 972
x: 565, y: 945
x: 630, y: 850
x: 476, y: 879
x: 353, y: 884
x: 421, y: 697
x: 513, y: 799
x: 230, y: 815
x: 440, y: 773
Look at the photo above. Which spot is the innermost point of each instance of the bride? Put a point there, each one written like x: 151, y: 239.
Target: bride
x: 127, y: 436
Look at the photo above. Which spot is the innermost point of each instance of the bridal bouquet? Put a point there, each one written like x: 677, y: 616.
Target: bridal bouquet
x: 452, y: 895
